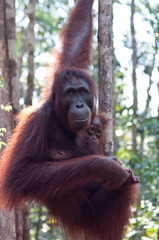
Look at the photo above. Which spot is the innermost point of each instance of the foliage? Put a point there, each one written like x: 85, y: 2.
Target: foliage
x: 1, y: 83
x: 145, y: 161
x: 7, y: 108
x: 3, y: 130
x: 49, y: 229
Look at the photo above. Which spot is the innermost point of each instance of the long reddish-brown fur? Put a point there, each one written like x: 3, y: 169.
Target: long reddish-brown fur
x: 89, y: 193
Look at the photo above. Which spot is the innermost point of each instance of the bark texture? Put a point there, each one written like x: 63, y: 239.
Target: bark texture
x: 105, y: 70
x: 30, y: 43
x: 26, y: 222
x: 22, y: 51
x: 12, y: 51
x: 18, y: 224
x: 5, y: 94
x: 8, y: 95
x: 134, y: 80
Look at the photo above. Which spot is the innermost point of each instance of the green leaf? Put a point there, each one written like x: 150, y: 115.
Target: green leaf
x: 1, y: 83
x: 2, y: 143
x: 6, y: 108
x: 3, y: 130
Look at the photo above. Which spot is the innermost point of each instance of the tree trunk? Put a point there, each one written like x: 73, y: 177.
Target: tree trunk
x: 30, y: 87
x: 105, y: 71
x: 5, y: 95
x: 134, y: 62
x: 12, y: 52
x: 10, y: 94
x: 38, y: 226
x: 18, y: 224
x: 22, y: 51
x: 26, y: 222
x: 30, y: 40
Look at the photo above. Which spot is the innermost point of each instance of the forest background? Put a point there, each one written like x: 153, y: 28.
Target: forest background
x: 135, y: 96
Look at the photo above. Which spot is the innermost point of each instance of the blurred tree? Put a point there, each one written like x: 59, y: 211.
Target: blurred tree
x: 134, y: 80
x: 30, y: 48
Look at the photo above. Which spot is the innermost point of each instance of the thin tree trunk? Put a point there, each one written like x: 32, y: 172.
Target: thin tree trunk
x: 134, y: 60
x: 5, y: 95
x: 105, y: 71
x: 22, y: 51
x: 149, y: 72
x: 113, y: 90
x: 30, y: 40
x: 29, y: 94
x: 151, y: 68
x: 38, y: 226
x: 26, y: 222
x: 8, y: 96
x: 18, y: 224
x: 12, y: 52
x: 13, y: 72
x: 142, y: 137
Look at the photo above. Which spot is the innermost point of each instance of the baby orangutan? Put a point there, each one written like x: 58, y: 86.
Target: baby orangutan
x: 95, y: 131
